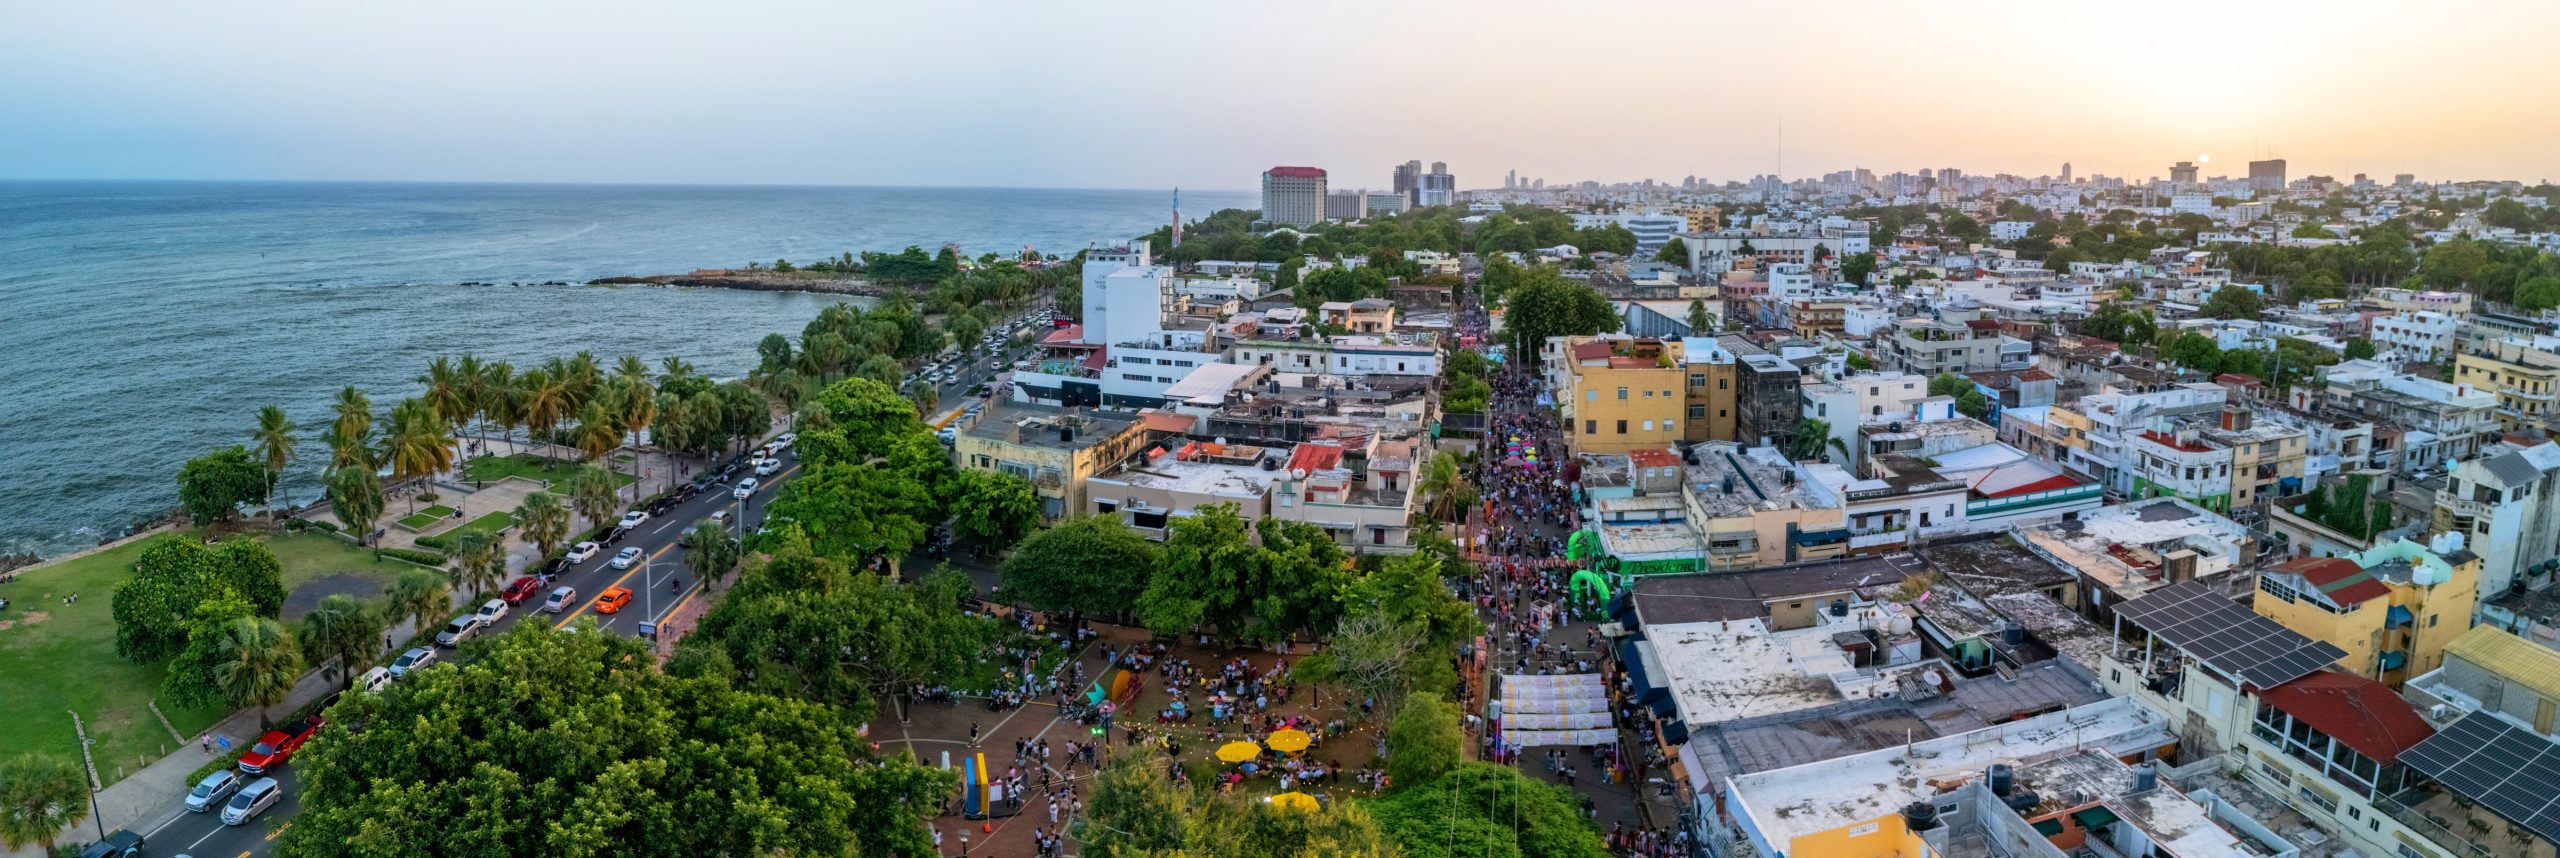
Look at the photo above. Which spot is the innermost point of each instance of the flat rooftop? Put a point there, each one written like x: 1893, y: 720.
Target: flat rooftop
x: 1713, y: 596
x: 1730, y: 481
x: 1788, y: 803
x: 2123, y: 546
x: 1202, y: 476
x: 1031, y: 425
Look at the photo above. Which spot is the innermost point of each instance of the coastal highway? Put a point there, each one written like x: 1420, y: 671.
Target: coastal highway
x: 202, y: 835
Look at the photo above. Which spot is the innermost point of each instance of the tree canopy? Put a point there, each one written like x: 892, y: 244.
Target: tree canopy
x: 212, y: 487
x: 156, y: 609
x: 573, y: 744
x: 1546, y: 304
x: 1094, y: 564
x: 808, y: 626
x: 1488, y: 810
x: 1213, y: 575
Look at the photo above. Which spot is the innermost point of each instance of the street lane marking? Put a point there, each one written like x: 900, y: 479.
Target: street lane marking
x: 617, y: 582
x: 182, y: 814
x: 217, y: 829
x: 279, y: 830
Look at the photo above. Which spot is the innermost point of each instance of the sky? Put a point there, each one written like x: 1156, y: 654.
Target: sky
x: 1114, y: 94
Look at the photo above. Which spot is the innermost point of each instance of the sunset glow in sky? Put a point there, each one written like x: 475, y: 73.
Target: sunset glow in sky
x: 1148, y: 94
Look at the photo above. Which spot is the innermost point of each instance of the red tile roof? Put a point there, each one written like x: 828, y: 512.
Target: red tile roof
x: 1315, y: 457
x: 1652, y: 458
x: 1591, y: 351
x: 2361, y: 713
x: 1068, y: 334
x: 1296, y: 172
x: 1982, y: 324
x: 2057, y: 481
x: 2338, y: 578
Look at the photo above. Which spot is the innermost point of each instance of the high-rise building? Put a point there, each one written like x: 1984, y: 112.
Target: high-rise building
x: 2066, y: 172
x: 2183, y: 172
x: 2267, y: 175
x: 1408, y: 178
x: 1511, y: 180
x: 2404, y: 180
x: 1438, y: 189
x: 1346, y: 205
x: 1293, y: 196
x: 1440, y: 167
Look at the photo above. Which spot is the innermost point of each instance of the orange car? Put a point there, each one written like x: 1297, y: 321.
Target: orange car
x: 612, y: 599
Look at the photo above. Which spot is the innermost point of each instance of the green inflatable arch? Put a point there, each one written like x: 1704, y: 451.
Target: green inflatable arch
x: 1581, y: 544
x: 1598, y: 587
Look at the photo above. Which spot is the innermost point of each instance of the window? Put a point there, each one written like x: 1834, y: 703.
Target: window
x: 1648, y: 426
x: 1591, y: 427
x: 1592, y: 395
x: 1697, y: 379
x: 1723, y: 383
x: 1622, y: 394
x: 1622, y: 427
x: 1697, y: 412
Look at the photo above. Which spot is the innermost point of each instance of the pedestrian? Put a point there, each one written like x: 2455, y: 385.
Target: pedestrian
x: 206, y: 741
x: 973, y: 733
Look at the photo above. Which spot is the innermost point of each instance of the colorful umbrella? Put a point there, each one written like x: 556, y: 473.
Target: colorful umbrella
x: 1237, y: 752
x: 1289, y: 741
x: 1294, y: 801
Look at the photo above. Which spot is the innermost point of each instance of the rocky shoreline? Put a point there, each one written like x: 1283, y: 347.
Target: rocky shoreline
x: 753, y: 281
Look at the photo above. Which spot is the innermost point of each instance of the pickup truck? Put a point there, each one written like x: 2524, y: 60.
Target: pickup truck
x: 278, y: 745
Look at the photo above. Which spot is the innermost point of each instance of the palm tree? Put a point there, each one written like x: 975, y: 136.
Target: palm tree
x: 584, y: 377
x: 545, y: 521
x: 593, y: 494
x: 39, y: 796
x: 352, y: 429
x: 672, y: 368
x: 638, y: 404
x: 498, y: 399
x: 1441, y: 482
x: 342, y: 632
x: 355, y: 495
x: 420, y: 597
x: 788, y: 387
x: 541, y: 400
x: 629, y: 367
x: 924, y: 395
x: 448, y: 395
x: 711, y: 550
x: 416, y: 445
x: 673, y: 428
x: 275, y: 439
x: 480, y: 560
x: 474, y: 374
x: 259, y: 664
x: 597, y: 434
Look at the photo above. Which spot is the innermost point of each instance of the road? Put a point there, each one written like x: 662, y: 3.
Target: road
x: 202, y: 835
x: 660, y: 584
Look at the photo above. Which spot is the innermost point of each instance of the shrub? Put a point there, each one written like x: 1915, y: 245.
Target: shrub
x: 426, y: 558
x: 426, y: 497
x: 440, y: 542
x: 218, y: 764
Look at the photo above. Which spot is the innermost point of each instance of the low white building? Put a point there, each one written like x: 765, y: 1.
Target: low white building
x: 2421, y: 336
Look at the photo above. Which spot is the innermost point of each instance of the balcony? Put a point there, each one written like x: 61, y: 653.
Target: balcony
x: 2434, y: 815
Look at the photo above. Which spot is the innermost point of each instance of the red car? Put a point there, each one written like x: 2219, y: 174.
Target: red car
x: 277, y: 746
x: 521, y: 589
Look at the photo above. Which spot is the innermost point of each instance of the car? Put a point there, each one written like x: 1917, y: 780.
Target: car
x: 560, y: 600
x: 416, y: 658
x: 746, y: 489
x: 661, y: 505
x: 461, y: 627
x: 769, y: 466
x: 722, y: 518
x: 626, y: 557
x: 633, y: 519
x: 612, y: 599
x: 947, y: 436
x: 687, y: 492
x: 210, y: 792
x: 278, y: 745
x: 520, y: 589
x: 374, y: 679
x: 583, y: 552
x: 119, y: 844
x: 785, y: 440
x: 491, y: 612
x: 253, y: 799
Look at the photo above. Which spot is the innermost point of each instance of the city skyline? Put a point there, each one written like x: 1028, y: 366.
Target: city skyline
x: 287, y: 90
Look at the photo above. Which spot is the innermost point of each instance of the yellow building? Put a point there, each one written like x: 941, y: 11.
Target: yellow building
x: 2394, y: 608
x: 2524, y: 373
x: 1700, y: 218
x: 2263, y: 457
x: 1620, y: 395
x: 1709, y: 396
x: 1057, y: 452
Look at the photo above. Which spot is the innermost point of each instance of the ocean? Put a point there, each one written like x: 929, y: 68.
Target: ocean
x: 144, y: 323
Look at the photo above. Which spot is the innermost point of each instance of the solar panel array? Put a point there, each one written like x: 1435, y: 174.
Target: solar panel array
x: 2504, y: 767
x: 2228, y: 637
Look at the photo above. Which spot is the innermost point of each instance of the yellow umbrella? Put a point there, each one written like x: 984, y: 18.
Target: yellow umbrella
x: 1289, y: 741
x: 1237, y: 752
x: 1295, y: 801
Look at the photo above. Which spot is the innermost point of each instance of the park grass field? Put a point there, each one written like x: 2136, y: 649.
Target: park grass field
x: 56, y: 659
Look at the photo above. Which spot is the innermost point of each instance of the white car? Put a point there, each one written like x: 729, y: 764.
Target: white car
x: 492, y: 611
x: 412, y: 660
x: 767, y: 467
x: 624, y: 558
x: 560, y: 600
x: 375, y: 679
x: 454, y: 632
x: 746, y: 489
x: 633, y: 519
x: 252, y: 800
x: 583, y: 552
x: 785, y: 440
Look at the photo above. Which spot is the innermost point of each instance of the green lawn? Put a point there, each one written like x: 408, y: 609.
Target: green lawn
x: 428, y: 517
x: 489, y: 524
x: 56, y: 659
x: 490, y: 469
x: 60, y: 659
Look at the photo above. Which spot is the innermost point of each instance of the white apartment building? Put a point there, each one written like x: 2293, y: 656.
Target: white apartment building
x: 2010, y: 230
x: 2421, y: 336
x: 1293, y: 196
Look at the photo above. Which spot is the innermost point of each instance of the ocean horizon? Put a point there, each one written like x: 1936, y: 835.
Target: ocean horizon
x: 148, y: 320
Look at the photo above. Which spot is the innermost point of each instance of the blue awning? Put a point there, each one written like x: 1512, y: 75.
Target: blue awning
x: 2397, y: 617
x: 1819, y: 537
x: 2393, y: 659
